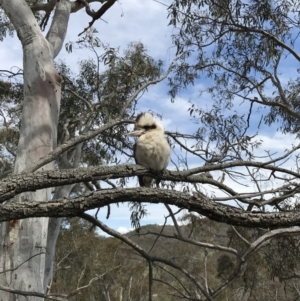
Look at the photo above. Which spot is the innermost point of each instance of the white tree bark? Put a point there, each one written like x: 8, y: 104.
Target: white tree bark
x: 24, y: 243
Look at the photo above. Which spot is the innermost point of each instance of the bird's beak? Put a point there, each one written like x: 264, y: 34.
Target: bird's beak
x: 136, y: 133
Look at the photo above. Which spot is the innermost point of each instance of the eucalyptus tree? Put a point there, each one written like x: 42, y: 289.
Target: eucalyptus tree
x: 239, y: 47
x: 243, y: 48
x: 27, y: 246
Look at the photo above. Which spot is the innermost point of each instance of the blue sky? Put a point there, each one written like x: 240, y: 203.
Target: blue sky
x: 145, y: 21
x: 132, y: 21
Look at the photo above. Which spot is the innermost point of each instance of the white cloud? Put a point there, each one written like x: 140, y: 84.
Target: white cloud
x: 145, y: 21
x: 124, y: 230
x: 277, y: 141
x: 124, y: 23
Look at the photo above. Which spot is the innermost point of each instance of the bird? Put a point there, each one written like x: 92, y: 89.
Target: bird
x: 152, y: 149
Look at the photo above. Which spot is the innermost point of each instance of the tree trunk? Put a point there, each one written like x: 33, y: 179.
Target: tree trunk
x: 53, y: 231
x: 24, y: 242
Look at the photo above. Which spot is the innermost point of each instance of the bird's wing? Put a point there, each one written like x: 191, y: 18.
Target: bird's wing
x: 141, y: 178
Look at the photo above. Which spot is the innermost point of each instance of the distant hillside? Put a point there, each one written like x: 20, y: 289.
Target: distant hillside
x: 124, y: 274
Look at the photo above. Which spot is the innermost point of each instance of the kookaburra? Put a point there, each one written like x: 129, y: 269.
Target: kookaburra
x: 152, y: 148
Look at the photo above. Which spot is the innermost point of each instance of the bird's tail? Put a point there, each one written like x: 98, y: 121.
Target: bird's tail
x: 145, y: 181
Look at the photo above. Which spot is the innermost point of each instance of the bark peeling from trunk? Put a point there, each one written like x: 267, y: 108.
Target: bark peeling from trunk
x: 24, y: 243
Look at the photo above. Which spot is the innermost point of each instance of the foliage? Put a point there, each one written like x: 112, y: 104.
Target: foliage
x: 240, y: 48
x: 82, y: 254
x: 6, y: 27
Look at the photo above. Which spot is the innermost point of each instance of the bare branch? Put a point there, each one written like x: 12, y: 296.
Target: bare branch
x: 10, y: 270
x: 58, y: 29
x: 222, y: 213
x: 240, y: 236
x: 32, y: 294
x: 143, y: 253
x: 73, y: 142
x: 266, y: 34
x: 98, y: 277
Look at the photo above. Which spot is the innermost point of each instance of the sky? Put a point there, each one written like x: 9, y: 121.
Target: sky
x: 141, y: 21
x: 125, y: 22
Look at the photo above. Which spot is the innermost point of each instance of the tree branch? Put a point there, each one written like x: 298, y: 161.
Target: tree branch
x: 58, y: 30
x: 143, y: 253
x: 15, y: 184
x: 73, y: 142
x: 73, y: 207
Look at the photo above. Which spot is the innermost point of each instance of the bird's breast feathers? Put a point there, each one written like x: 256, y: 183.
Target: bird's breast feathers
x: 153, y: 150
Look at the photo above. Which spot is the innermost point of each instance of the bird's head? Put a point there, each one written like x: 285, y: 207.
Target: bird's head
x: 145, y: 122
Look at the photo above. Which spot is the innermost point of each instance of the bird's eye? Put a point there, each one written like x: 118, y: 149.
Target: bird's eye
x: 149, y: 127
